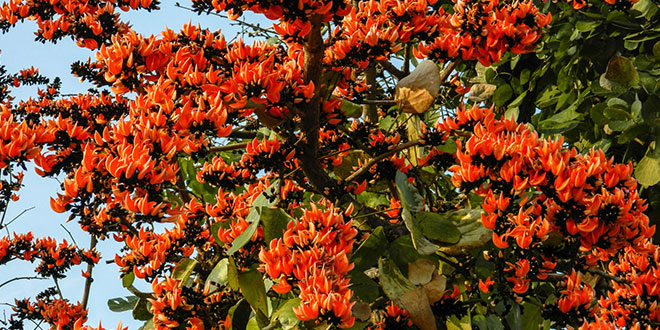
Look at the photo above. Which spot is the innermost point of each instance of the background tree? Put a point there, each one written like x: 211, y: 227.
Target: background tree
x: 311, y: 180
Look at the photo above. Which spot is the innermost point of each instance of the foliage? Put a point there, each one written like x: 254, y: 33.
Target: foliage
x: 279, y: 185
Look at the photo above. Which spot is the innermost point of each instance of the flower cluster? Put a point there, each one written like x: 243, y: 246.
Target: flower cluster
x: 484, y: 30
x: 90, y: 24
x: 55, y: 258
x: 294, y: 16
x: 394, y: 317
x: 175, y: 304
x: 58, y: 313
x: 534, y: 189
x: 312, y: 258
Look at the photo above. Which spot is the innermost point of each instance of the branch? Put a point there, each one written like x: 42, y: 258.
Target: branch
x: 22, y: 278
x: 606, y: 275
x: 311, y: 110
x: 389, y: 67
x: 447, y: 71
x: 229, y: 147
x: 181, y: 187
x: 369, y: 110
x: 376, y: 102
x: 375, y: 160
x: 89, y: 280
x: 239, y: 21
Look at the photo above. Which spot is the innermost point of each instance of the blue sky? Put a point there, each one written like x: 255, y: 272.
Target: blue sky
x: 19, y: 51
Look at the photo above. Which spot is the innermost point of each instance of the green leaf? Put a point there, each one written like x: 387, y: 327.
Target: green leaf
x: 141, y: 311
x: 367, y: 254
x: 394, y: 284
x: 246, y: 235
x: 364, y: 287
x: 632, y: 132
x: 240, y: 315
x: 620, y: 125
x: 473, y: 233
x: 403, y: 252
x: 285, y: 314
x: 524, y: 76
x: 487, y: 323
x: 586, y: 26
x: 149, y: 325
x: 502, y: 94
x: 349, y: 163
x: 454, y: 323
x: 438, y: 227
x: 621, y: 71
x: 128, y: 279
x: 122, y: 304
x: 350, y: 109
x: 531, y: 316
x: 260, y: 204
x: 183, y: 269
x: 647, y: 171
x: 219, y: 274
x: 411, y: 202
x: 518, y: 100
x: 449, y: 147
x: 274, y: 223
x: 232, y: 274
x: 252, y: 286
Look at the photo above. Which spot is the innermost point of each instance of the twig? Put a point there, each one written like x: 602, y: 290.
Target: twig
x: 16, y: 217
x: 240, y: 21
x: 89, y: 280
x: 181, y: 187
x: 456, y: 266
x: 229, y: 147
x: 375, y: 102
x: 375, y: 160
x: 22, y: 278
x: 447, y: 71
x: 389, y: 67
x: 605, y: 275
x: 70, y: 235
x: 57, y: 285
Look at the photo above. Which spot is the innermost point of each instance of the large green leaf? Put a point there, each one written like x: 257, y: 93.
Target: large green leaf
x: 183, y: 269
x: 253, y: 289
x: 285, y: 314
x: 647, y: 171
x: 128, y: 279
x: 219, y: 274
x: 473, y: 233
x: 367, y: 254
x: 502, y: 94
x: 274, y: 223
x: 364, y: 288
x: 438, y: 228
x: 240, y: 315
x: 620, y: 70
x: 254, y: 216
x: 411, y: 203
x: 122, y: 304
x: 141, y: 310
x: 392, y: 281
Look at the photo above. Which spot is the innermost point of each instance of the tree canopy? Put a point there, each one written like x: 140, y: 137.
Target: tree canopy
x: 392, y: 164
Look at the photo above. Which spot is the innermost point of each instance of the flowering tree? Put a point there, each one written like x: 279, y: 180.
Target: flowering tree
x: 312, y: 181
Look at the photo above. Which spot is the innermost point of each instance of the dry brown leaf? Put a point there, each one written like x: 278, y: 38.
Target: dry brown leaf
x: 435, y: 289
x: 421, y: 271
x: 416, y: 302
x: 416, y: 93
